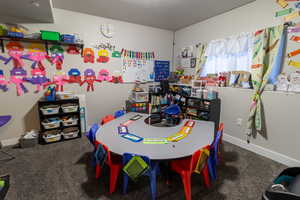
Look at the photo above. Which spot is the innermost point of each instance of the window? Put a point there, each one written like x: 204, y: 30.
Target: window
x: 231, y: 54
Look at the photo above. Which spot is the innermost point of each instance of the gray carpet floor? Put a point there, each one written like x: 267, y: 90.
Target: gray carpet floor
x: 63, y: 171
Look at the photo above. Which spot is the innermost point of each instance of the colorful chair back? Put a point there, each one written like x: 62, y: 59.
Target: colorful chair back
x: 107, y: 119
x: 195, y: 163
x: 108, y: 159
x: 115, y: 164
x: 152, y: 172
x: 215, y: 153
x: 119, y: 113
x: 91, y: 135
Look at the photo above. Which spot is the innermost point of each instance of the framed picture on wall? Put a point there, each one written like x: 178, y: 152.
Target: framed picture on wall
x: 193, y: 62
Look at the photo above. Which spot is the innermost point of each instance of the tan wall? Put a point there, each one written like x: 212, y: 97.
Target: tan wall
x: 281, y: 109
x: 107, y: 97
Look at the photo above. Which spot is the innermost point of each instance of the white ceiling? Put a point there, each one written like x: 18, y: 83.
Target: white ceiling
x: 166, y: 14
x: 24, y: 11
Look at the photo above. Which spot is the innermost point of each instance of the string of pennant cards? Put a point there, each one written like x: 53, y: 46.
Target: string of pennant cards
x: 137, y: 55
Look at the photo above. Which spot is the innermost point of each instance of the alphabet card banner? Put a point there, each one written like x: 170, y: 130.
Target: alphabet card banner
x: 137, y: 70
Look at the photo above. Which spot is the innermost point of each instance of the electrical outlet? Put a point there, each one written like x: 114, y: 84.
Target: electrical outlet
x: 239, y: 121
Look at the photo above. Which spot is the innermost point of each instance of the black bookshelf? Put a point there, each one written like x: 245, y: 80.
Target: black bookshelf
x: 205, y: 109
x: 43, y: 102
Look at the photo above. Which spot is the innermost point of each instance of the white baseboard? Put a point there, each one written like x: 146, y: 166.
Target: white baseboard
x: 9, y: 142
x: 278, y: 157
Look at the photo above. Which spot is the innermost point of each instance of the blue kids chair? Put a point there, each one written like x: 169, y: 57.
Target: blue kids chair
x: 91, y: 135
x: 215, y: 153
x: 152, y: 172
x: 119, y: 113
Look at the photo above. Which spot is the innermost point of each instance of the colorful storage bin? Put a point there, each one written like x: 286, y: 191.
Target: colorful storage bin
x: 51, y: 123
x: 69, y: 133
x: 50, y: 35
x: 69, y: 108
x: 50, y: 109
x: 52, y: 136
x: 70, y: 121
x: 67, y: 38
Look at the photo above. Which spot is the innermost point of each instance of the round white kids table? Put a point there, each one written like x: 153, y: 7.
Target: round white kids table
x: 202, y: 134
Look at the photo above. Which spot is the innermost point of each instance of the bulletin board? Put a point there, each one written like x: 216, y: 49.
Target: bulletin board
x: 161, y: 70
x: 137, y: 70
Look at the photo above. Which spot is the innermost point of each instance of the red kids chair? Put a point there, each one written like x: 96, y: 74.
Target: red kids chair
x: 187, y: 166
x: 106, y: 119
x: 115, y: 164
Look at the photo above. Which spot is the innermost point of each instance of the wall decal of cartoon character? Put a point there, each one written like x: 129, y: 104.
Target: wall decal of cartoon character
x: 38, y: 78
x: 90, y: 79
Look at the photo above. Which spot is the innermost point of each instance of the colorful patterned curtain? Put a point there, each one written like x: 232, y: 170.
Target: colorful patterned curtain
x: 266, y: 46
x: 201, y: 59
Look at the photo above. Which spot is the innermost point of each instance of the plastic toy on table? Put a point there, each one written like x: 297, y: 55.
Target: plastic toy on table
x: 155, y: 141
x: 123, y: 130
x: 132, y: 137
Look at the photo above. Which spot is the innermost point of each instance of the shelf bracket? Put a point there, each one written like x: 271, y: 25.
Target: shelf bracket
x: 2, y: 46
x: 47, y: 48
x: 81, y: 52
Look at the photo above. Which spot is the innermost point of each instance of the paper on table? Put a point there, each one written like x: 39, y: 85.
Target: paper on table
x: 282, y: 3
x: 292, y: 16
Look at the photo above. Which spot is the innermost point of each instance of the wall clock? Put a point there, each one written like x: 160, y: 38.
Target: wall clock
x: 107, y: 30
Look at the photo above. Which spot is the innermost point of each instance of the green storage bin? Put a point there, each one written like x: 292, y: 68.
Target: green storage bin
x: 50, y: 35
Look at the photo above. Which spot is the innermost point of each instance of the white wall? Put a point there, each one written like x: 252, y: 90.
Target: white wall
x: 281, y: 109
x: 107, y: 97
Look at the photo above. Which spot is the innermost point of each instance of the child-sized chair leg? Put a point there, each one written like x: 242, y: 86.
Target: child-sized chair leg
x: 114, y: 173
x: 186, y: 179
x: 125, y: 183
x: 98, y: 171
x: 153, y: 185
x: 205, y: 176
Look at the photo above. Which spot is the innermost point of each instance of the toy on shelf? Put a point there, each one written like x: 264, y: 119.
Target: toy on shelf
x: 15, y: 30
x: 17, y: 76
x: 282, y: 82
x: 103, y: 56
x: 3, y: 82
x: 50, y: 94
x: 38, y: 78
x: 88, y: 55
x: 67, y: 38
x: 15, y: 51
x: 104, y: 75
x: 59, y: 79
x: 90, y: 79
x: 74, y: 76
